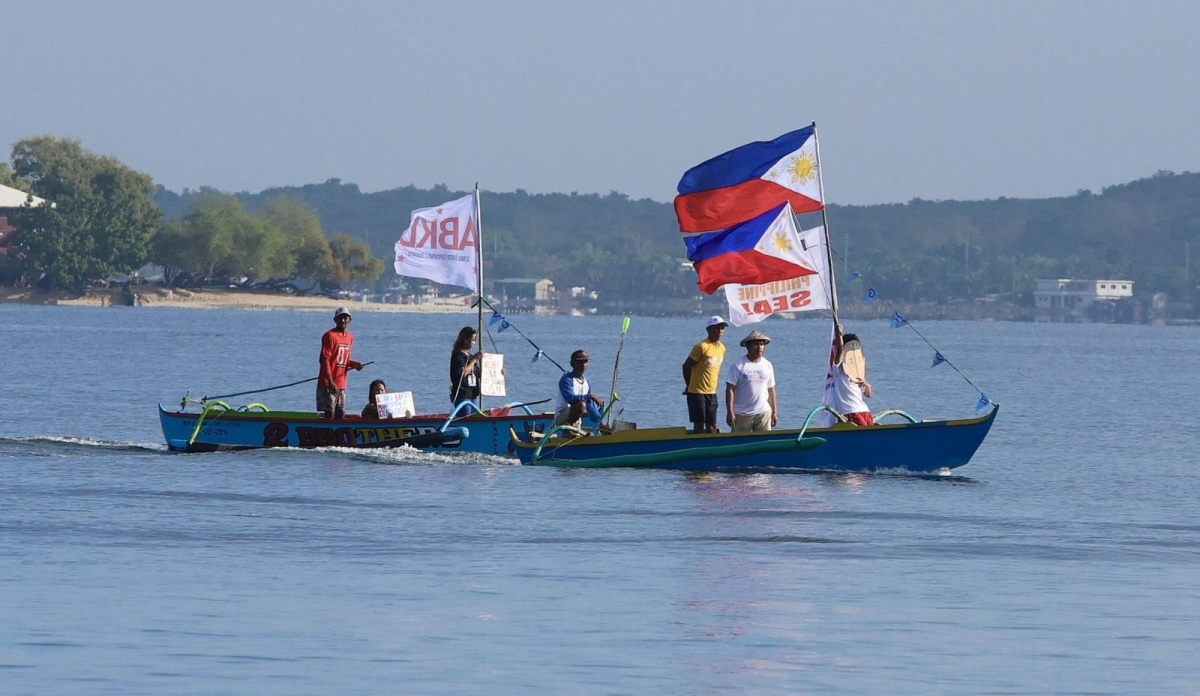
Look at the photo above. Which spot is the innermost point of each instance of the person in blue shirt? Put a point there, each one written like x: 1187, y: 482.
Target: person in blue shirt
x: 574, y: 393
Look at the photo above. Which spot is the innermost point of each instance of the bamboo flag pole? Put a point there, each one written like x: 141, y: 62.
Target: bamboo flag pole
x: 479, y: 277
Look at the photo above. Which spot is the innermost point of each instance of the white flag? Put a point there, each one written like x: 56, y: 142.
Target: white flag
x: 442, y: 244
x: 749, y: 304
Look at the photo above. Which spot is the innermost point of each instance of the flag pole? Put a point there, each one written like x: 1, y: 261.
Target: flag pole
x: 833, y: 303
x: 479, y: 279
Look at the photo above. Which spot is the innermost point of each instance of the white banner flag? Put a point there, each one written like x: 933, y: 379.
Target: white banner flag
x: 750, y: 304
x: 442, y: 244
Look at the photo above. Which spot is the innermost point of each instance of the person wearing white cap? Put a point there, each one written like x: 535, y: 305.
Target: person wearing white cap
x: 702, y: 375
x: 335, y: 361
x: 750, y: 402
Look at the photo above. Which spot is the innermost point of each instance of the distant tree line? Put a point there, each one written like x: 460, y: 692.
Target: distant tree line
x: 108, y: 220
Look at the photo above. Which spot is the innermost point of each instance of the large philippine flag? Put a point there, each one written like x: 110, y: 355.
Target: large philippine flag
x: 762, y: 250
x: 750, y: 180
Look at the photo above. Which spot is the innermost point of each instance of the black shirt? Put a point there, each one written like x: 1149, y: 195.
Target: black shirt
x: 460, y: 388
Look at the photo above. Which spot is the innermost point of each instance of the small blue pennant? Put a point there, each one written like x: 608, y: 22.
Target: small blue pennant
x: 898, y: 320
x: 536, y: 357
x: 984, y: 402
x: 497, y: 317
x: 871, y: 295
x: 938, y: 359
x: 503, y: 325
x: 853, y: 277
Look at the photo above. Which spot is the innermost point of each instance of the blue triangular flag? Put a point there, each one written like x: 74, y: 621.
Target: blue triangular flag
x: 496, y: 318
x: 535, y: 357
x: 871, y: 295
x: 938, y: 359
x: 853, y: 277
x: 898, y: 320
x: 984, y: 402
x: 503, y: 325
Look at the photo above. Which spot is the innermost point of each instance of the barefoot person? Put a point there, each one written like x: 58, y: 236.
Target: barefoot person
x: 702, y: 375
x: 335, y: 361
x: 750, y: 402
x: 574, y: 392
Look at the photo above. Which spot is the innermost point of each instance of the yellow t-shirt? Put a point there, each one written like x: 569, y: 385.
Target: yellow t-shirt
x: 706, y: 373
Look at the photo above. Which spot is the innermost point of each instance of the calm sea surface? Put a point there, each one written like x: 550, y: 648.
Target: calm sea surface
x: 1065, y: 559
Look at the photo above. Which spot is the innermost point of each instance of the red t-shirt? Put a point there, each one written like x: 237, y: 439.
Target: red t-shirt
x: 335, y: 359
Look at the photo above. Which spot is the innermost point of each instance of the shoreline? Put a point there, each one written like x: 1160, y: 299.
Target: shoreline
x: 231, y: 299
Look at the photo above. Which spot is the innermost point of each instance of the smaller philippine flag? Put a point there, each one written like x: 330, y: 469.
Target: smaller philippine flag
x: 762, y: 250
x: 984, y: 402
x: 747, y: 181
x: 871, y: 295
x: 898, y: 320
x: 938, y: 359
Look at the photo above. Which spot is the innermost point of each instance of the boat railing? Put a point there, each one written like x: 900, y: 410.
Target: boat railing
x: 468, y: 405
x: 537, y: 452
x: 896, y: 412
x: 813, y: 414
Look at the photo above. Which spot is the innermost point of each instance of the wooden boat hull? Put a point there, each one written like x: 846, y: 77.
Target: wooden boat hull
x: 924, y: 447
x: 236, y: 430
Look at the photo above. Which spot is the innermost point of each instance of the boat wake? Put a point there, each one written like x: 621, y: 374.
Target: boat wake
x: 409, y: 456
x: 56, y: 442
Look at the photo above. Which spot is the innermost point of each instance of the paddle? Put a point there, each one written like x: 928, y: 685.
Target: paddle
x: 617, y: 365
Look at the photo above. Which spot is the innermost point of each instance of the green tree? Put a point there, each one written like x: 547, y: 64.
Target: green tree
x: 96, y: 223
x: 353, y: 262
x: 313, y: 259
x: 218, y: 239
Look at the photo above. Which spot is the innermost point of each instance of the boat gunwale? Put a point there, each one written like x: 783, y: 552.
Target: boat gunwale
x: 672, y: 433
x: 303, y: 416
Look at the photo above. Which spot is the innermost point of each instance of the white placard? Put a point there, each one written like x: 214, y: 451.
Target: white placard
x: 396, y: 405
x: 493, y: 375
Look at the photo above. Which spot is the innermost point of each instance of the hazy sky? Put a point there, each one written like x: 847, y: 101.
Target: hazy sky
x: 936, y: 100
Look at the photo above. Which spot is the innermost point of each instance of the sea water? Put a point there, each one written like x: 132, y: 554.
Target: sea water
x: 1065, y: 559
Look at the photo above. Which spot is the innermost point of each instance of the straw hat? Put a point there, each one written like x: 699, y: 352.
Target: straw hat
x: 755, y: 336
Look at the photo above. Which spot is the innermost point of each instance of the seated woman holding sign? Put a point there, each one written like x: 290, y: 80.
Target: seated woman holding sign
x: 372, y: 409
x: 850, y: 388
x: 466, y: 370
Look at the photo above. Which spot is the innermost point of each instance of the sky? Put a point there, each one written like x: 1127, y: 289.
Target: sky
x: 922, y: 99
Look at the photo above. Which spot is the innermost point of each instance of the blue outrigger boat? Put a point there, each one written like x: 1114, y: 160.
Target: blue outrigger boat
x: 909, y: 447
x: 220, y: 428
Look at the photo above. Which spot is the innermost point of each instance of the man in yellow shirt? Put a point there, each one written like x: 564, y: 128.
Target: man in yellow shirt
x: 702, y: 374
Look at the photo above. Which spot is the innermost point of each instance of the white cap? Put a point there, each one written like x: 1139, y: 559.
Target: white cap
x: 715, y: 320
x: 340, y: 311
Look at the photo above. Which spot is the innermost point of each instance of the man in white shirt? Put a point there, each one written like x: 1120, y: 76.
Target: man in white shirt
x: 847, y: 396
x: 750, y: 402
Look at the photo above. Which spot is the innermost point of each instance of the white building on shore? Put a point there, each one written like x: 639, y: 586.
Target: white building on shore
x: 1068, y: 299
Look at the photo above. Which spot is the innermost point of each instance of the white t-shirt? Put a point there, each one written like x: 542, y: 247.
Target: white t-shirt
x: 845, y: 395
x: 568, y: 387
x: 750, y: 382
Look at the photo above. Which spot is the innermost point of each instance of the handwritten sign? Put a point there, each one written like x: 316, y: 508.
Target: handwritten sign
x: 396, y: 405
x: 493, y: 375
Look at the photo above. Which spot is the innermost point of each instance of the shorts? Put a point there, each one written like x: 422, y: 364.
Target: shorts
x: 563, y: 418
x: 702, y: 409
x: 753, y: 422
x: 331, y: 402
x: 864, y: 418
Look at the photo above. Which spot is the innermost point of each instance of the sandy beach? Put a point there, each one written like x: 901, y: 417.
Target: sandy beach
x: 232, y: 299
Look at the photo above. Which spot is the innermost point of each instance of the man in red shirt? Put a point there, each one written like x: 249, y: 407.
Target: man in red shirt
x: 335, y: 362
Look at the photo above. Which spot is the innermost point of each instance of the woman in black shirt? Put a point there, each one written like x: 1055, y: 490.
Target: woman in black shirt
x: 465, y: 369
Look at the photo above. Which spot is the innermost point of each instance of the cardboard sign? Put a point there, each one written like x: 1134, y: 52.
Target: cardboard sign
x: 493, y: 375
x: 854, y: 362
x: 396, y: 405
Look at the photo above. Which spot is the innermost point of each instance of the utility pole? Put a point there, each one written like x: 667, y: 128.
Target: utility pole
x: 846, y: 258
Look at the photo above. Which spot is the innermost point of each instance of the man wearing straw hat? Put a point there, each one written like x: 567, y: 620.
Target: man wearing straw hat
x: 750, y: 402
